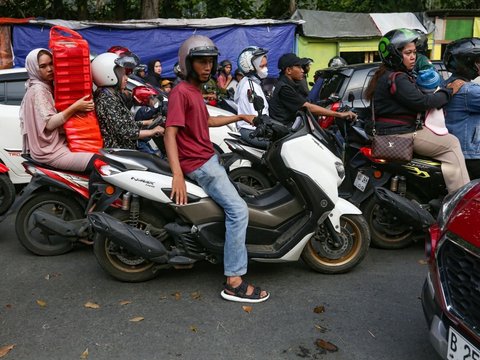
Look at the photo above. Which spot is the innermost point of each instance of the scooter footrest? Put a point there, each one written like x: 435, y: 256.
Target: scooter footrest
x: 181, y: 260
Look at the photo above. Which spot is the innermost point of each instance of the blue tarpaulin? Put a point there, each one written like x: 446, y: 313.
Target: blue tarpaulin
x: 163, y: 42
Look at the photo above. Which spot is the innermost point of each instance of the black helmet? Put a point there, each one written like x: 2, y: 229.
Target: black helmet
x: 422, y: 42
x: 337, y: 61
x: 196, y: 46
x: 223, y: 64
x: 391, y: 45
x: 460, y: 56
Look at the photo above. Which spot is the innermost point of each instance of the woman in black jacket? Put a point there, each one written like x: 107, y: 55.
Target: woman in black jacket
x: 397, y: 101
x: 154, y: 75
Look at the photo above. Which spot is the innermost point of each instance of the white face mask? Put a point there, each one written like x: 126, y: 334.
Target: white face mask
x: 262, y: 73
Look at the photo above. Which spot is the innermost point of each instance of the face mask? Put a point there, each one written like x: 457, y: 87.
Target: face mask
x: 262, y: 73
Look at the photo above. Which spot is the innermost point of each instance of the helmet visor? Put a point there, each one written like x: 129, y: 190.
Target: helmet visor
x: 127, y: 60
x: 204, y: 51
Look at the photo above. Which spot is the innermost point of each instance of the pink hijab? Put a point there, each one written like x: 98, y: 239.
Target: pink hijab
x: 33, y: 70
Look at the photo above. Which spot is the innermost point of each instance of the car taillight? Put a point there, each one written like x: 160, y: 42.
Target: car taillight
x: 432, y: 242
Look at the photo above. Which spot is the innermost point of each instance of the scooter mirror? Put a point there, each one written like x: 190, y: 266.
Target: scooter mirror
x: 351, y: 97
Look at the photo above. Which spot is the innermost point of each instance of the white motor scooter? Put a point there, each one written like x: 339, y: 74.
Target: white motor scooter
x: 302, y: 216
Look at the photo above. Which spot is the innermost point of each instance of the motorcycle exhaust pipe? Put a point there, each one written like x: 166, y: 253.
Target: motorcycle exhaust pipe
x: 407, y: 210
x: 132, y: 239
x: 71, y: 230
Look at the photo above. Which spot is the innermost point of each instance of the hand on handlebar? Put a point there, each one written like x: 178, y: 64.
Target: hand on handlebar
x: 158, y: 131
x: 349, y: 115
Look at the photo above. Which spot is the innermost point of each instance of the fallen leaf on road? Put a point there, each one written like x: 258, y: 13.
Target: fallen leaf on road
x: 137, y: 319
x: 423, y: 262
x: 8, y: 306
x: 4, y: 350
x: 125, y: 302
x: 247, y: 309
x: 91, y: 305
x: 41, y: 303
x: 177, y: 295
x: 193, y: 328
x: 320, y: 328
x: 196, y: 295
x: 323, y: 344
x: 371, y: 333
x: 319, y: 309
x: 84, y: 354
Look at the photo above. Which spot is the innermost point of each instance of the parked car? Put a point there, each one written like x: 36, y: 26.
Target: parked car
x: 354, y: 79
x: 451, y: 293
x: 12, y: 89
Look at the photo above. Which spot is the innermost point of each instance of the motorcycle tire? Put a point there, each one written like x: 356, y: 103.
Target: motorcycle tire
x: 35, y: 239
x: 323, y: 255
x: 389, y: 233
x: 7, y: 193
x: 121, y: 263
x: 250, y: 177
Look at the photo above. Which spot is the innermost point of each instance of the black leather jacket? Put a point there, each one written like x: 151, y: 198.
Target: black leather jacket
x: 398, y: 100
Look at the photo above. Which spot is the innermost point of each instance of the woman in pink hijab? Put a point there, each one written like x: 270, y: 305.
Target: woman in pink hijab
x: 41, y: 124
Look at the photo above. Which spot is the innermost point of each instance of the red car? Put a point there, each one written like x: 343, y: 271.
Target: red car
x: 451, y: 293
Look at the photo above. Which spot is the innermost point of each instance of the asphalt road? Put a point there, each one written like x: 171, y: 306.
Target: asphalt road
x: 373, y: 312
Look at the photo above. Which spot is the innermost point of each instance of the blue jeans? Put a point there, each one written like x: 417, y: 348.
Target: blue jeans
x: 212, y: 177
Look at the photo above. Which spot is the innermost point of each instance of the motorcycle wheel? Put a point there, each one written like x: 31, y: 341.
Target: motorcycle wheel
x: 120, y: 263
x: 35, y: 239
x: 250, y: 177
x: 7, y: 193
x: 388, y: 232
x: 322, y: 254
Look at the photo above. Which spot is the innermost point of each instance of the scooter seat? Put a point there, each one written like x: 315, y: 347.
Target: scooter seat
x: 150, y: 161
x: 28, y: 158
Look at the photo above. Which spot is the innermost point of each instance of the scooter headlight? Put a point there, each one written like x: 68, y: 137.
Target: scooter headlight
x: 340, y: 169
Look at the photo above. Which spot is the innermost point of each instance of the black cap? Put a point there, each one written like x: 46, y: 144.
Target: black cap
x: 288, y: 60
x: 306, y: 61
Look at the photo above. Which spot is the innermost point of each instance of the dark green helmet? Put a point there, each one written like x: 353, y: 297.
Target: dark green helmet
x: 391, y: 45
x: 460, y: 57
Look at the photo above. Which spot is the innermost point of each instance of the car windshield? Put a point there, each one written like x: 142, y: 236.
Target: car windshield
x: 331, y: 85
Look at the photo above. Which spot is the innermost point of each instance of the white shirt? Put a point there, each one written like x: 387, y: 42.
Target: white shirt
x: 241, y: 99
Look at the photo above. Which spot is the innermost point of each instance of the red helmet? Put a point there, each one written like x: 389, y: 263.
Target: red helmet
x: 117, y: 49
x: 141, y: 94
x: 121, y: 50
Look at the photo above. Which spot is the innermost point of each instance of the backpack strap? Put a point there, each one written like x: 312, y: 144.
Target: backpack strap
x: 391, y: 81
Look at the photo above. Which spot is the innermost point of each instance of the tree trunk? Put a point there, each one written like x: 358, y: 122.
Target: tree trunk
x: 150, y: 9
x: 292, y: 7
x: 82, y: 6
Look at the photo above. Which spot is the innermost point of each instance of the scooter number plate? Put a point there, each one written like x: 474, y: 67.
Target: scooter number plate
x: 361, y: 181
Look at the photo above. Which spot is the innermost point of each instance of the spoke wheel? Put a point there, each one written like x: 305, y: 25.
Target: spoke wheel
x: 41, y: 242
x: 334, y: 255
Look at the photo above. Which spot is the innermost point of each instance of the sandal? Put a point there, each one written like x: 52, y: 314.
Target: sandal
x: 239, y: 293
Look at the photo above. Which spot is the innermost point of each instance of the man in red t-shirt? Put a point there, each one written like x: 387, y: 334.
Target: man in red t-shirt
x: 190, y: 152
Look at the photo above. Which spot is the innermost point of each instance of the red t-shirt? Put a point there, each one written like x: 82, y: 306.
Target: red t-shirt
x: 187, y: 111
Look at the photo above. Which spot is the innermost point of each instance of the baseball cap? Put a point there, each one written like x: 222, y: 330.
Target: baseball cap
x: 288, y: 60
x: 428, y: 79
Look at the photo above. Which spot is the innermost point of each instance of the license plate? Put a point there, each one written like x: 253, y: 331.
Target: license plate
x: 361, y: 181
x: 460, y: 348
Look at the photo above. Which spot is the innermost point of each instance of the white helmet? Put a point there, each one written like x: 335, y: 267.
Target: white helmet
x: 246, y: 58
x: 104, y: 66
x: 196, y: 46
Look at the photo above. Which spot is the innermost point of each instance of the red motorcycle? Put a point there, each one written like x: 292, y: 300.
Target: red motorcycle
x: 54, y: 194
x: 7, y: 189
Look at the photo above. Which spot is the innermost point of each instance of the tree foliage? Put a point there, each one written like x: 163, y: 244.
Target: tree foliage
x: 111, y: 10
